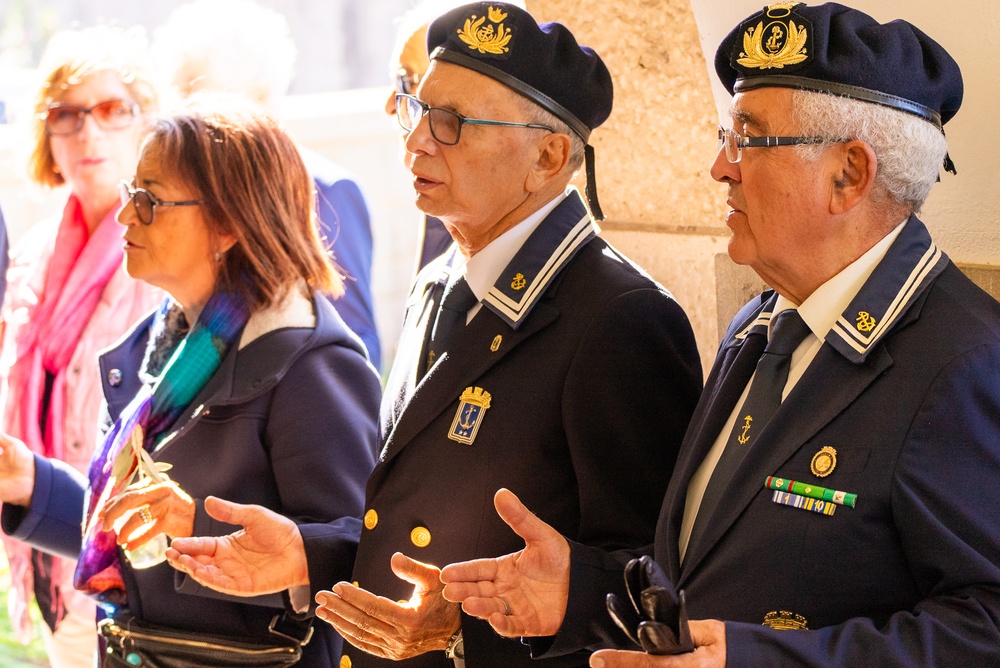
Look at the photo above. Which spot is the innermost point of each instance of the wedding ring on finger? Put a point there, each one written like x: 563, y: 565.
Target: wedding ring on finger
x: 146, y: 515
x: 506, y: 606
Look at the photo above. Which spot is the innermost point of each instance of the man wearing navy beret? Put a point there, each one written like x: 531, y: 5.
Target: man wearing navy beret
x: 834, y: 502
x: 566, y: 374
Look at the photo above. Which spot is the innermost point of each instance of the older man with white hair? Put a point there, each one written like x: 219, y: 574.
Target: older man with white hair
x: 832, y: 504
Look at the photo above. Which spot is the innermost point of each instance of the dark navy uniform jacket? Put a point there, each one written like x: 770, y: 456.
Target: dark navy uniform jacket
x: 592, y: 372
x: 909, y: 576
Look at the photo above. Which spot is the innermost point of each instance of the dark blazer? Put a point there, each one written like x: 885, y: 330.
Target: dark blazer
x: 911, y: 574
x: 592, y: 372
x: 287, y: 422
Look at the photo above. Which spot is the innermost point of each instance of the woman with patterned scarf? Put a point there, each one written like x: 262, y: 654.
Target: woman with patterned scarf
x: 69, y: 297
x: 245, y: 385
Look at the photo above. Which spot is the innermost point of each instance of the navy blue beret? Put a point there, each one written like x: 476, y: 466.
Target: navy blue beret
x: 834, y: 49
x: 542, y: 62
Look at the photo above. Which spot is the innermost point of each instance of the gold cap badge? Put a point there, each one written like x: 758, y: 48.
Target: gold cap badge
x: 489, y: 38
x: 779, y: 43
x: 823, y: 462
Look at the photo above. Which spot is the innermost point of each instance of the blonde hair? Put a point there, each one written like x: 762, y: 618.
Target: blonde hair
x: 70, y: 58
x: 255, y: 187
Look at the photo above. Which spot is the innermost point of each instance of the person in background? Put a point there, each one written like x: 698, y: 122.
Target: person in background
x: 533, y: 354
x: 244, y: 384
x: 68, y: 296
x: 833, y: 502
x: 239, y: 47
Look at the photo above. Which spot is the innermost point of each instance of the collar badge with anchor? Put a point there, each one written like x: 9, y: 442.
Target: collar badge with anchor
x: 866, y: 322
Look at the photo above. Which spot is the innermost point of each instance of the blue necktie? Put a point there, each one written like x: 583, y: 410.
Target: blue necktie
x: 763, y: 399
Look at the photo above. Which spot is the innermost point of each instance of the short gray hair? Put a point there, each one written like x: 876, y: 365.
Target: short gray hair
x: 910, y: 150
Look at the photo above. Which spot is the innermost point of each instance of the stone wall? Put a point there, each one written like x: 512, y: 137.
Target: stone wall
x: 653, y: 155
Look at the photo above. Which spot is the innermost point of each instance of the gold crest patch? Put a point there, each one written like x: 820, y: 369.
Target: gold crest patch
x: 778, y: 43
x: 471, y: 408
x: 485, y: 37
x: 782, y: 620
x: 823, y: 462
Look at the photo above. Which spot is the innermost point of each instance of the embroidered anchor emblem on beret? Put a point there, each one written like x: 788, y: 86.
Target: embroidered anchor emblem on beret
x: 486, y: 38
x: 777, y: 44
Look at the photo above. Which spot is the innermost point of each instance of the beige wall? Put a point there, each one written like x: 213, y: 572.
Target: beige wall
x: 663, y: 209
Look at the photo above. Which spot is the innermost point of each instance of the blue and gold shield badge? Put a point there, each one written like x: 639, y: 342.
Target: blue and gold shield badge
x: 471, y: 409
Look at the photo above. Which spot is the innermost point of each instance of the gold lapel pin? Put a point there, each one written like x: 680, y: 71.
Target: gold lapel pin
x: 823, y: 462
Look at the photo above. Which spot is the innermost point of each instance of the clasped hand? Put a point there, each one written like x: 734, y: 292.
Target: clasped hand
x: 146, y: 510
x: 387, y: 628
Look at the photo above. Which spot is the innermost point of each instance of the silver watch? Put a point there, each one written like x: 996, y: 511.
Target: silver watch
x: 456, y: 647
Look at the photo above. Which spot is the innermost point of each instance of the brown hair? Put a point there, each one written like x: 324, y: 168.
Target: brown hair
x: 255, y: 187
x: 70, y: 58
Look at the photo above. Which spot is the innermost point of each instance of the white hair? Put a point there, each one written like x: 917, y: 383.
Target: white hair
x: 910, y: 150
x: 233, y: 47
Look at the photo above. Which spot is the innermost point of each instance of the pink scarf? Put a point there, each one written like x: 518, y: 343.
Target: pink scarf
x: 77, y: 272
x: 79, y: 269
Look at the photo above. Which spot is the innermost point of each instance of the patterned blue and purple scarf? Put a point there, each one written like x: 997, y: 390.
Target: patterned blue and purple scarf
x: 190, y: 361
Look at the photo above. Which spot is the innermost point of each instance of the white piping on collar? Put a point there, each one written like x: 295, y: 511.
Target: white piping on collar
x: 512, y: 310
x: 861, y: 342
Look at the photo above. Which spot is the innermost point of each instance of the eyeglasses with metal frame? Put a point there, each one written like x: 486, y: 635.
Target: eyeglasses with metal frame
x: 406, y: 83
x: 446, y: 125
x: 734, y: 142
x: 146, y: 202
x: 67, y: 119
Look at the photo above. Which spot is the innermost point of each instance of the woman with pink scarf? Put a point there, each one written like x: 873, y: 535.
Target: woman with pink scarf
x: 68, y: 296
